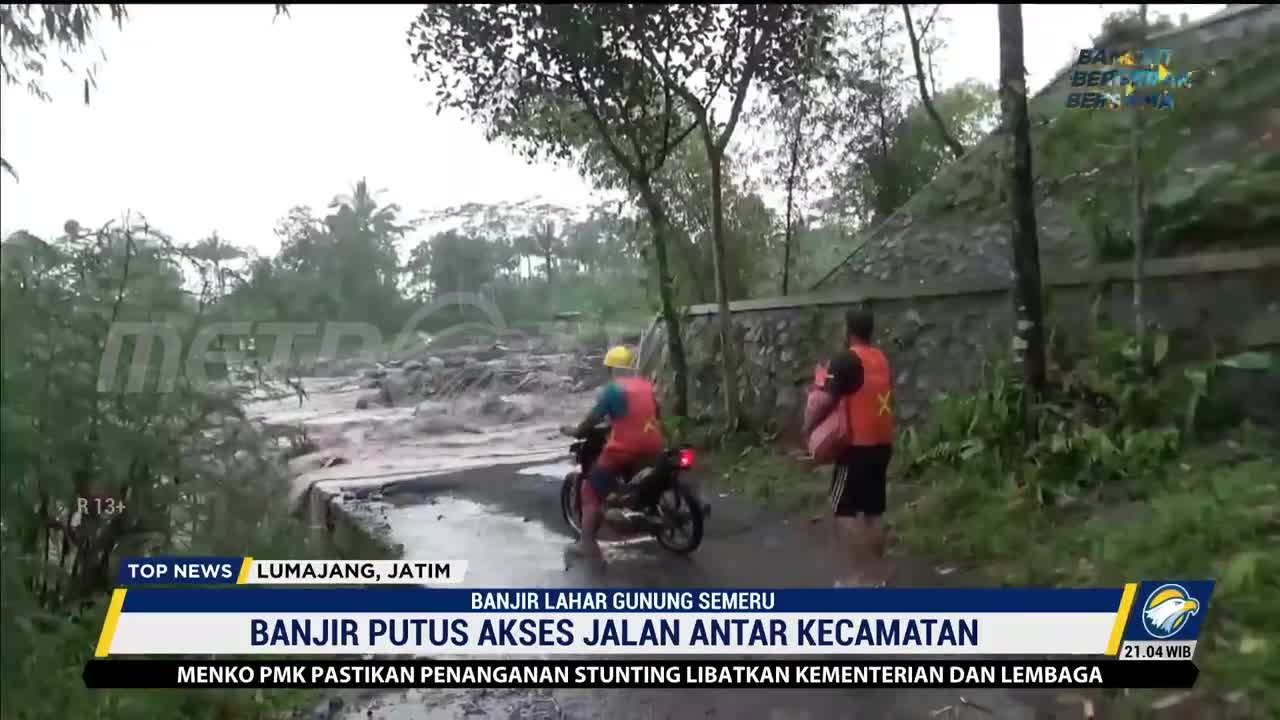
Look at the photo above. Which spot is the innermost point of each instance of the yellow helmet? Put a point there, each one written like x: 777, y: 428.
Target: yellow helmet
x: 619, y: 357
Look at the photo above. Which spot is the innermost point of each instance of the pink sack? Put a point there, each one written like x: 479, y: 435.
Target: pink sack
x: 825, y: 422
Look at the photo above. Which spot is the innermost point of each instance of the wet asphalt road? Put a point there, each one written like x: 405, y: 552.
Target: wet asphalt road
x: 506, y: 522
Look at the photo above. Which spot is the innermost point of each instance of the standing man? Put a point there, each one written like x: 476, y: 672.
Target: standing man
x: 861, y: 376
x: 630, y: 405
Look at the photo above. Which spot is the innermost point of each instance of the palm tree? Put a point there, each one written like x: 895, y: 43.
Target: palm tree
x: 216, y: 251
x: 363, y: 207
x: 364, y: 236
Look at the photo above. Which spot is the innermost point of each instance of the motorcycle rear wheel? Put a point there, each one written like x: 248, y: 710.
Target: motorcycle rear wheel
x: 689, y: 509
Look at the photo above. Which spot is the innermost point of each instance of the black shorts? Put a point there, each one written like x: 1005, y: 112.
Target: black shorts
x: 858, y: 483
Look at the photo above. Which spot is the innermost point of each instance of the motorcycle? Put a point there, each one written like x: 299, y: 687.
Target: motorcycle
x: 652, y: 500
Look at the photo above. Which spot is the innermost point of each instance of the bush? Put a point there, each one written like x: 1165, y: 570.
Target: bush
x: 1106, y: 419
x: 186, y: 470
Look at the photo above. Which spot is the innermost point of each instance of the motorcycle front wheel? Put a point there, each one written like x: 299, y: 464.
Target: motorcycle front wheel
x: 571, y: 504
x: 681, y: 515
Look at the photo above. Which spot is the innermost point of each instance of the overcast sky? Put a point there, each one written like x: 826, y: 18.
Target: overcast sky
x: 217, y: 118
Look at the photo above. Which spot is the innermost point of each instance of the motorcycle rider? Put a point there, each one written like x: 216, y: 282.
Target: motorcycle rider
x: 630, y: 405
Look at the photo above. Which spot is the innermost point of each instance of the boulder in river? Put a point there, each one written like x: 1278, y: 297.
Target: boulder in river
x: 542, y: 381
x: 491, y: 353
x: 441, y: 424
x: 368, y: 400
x: 499, y: 408
x: 428, y: 408
x: 396, y: 388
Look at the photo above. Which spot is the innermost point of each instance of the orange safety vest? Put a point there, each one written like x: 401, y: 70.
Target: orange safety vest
x: 638, y: 432
x: 870, y: 408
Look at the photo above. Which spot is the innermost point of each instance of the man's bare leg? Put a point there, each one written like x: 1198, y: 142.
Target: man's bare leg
x: 587, y: 546
x: 874, y: 542
x: 849, y: 540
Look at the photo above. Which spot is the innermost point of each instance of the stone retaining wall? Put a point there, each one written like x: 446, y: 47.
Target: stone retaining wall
x: 939, y: 336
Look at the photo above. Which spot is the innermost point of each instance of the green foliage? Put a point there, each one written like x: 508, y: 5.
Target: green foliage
x: 450, y: 262
x: 1201, y: 381
x: 193, y: 475
x: 340, y: 267
x: 496, y: 250
x: 1107, y: 420
x: 63, y: 29
x: 1110, y: 487
x: 1203, y: 192
x: 751, y: 249
x: 1209, y: 513
x: 27, y: 39
x: 1237, y: 204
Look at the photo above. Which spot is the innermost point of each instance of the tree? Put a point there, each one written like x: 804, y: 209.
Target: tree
x: 363, y: 239
x: 867, y: 100
x: 552, y: 79
x: 346, y: 264
x: 748, y: 227
x: 726, y: 47
x: 1028, y: 341
x: 216, y: 251
x: 799, y: 118
x: 916, y: 152
x: 27, y: 40
x: 510, y: 226
x: 956, y: 148
x: 1139, y: 210
x: 549, y: 245
x: 583, y: 246
x: 452, y: 262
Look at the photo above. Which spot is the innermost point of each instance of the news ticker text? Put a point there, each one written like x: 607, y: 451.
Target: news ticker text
x: 367, y: 674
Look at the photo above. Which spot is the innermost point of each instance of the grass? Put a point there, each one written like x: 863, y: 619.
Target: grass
x: 1212, y: 512
x: 769, y: 477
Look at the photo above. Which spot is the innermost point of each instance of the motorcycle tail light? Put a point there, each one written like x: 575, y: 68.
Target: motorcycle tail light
x: 685, y: 459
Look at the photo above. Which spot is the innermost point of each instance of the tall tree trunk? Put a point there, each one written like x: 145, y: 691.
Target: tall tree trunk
x: 956, y: 148
x: 1139, y: 229
x: 728, y: 347
x: 786, y: 245
x: 1028, y: 341
x: 675, y: 343
x: 793, y: 171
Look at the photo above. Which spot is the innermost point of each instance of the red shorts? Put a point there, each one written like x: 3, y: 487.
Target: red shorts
x: 604, y: 476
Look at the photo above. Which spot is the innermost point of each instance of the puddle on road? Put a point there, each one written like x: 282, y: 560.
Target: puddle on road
x: 501, y: 550
x: 551, y: 472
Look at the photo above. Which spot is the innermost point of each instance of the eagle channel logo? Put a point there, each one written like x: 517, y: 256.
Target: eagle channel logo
x: 1167, y: 609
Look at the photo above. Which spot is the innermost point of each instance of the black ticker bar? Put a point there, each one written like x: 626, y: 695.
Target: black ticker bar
x: 330, y: 673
